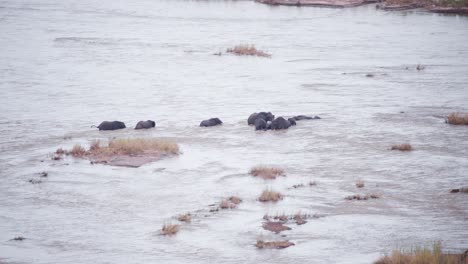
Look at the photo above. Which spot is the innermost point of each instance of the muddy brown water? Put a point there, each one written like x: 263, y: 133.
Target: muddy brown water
x: 67, y: 65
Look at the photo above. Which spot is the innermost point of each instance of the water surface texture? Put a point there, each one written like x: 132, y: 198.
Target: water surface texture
x: 67, y: 65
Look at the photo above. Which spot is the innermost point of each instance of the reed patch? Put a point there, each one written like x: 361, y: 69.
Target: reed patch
x: 247, y: 50
x: 266, y: 172
x: 130, y: 152
x: 170, y: 229
x: 423, y: 255
x: 270, y: 196
x: 457, y: 119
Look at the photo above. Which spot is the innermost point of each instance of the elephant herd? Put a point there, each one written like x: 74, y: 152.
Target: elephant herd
x: 261, y: 121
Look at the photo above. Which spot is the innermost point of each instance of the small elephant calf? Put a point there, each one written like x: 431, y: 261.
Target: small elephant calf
x: 211, y: 122
x: 145, y: 124
x: 111, y: 125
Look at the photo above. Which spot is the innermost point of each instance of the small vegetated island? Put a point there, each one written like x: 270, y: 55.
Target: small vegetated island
x: 130, y: 152
x: 437, y: 6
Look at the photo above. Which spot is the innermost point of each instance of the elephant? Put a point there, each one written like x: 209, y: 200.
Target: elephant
x: 260, y: 124
x: 292, y: 121
x: 211, y: 122
x: 303, y: 117
x: 108, y: 125
x: 262, y: 115
x: 145, y: 124
x: 280, y: 123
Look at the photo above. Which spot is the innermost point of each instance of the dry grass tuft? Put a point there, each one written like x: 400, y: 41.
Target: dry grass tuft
x: 247, y: 50
x: 402, y: 147
x: 457, y: 119
x: 360, y: 197
x: 77, y: 151
x: 360, y: 184
x: 169, y: 229
x: 270, y: 196
x: 230, y: 203
x: 266, y: 172
x: 185, y: 217
x: 131, y: 146
x: 95, y: 145
x: 235, y: 200
x: 225, y: 204
x: 423, y: 255
x: 273, y: 244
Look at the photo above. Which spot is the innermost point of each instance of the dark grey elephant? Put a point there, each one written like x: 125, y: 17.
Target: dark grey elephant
x: 145, y: 124
x: 267, y: 116
x: 211, y: 122
x: 280, y: 123
x: 303, y: 117
x: 111, y: 125
x: 292, y: 121
x: 260, y: 124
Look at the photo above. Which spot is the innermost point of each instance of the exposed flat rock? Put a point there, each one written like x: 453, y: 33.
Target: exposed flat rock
x: 132, y: 161
x: 323, y: 3
x: 275, y: 227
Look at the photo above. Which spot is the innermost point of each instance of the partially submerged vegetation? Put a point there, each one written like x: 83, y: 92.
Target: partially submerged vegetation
x: 423, y: 255
x: 457, y: 119
x: 273, y: 244
x: 131, y: 152
x: 187, y: 217
x: 359, y: 183
x: 170, y: 229
x: 299, y: 218
x: 230, y: 203
x: 247, y: 50
x: 363, y: 196
x: 270, y: 196
x: 266, y: 172
x: 402, y: 147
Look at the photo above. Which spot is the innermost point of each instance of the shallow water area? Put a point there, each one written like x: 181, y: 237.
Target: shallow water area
x: 67, y: 65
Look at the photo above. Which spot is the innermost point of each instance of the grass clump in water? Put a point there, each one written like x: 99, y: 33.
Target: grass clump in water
x: 169, y: 229
x: 270, y: 196
x: 457, y: 119
x: 401, y: 147
x: 360, y: 184
x: 247, y: 50
x: 131, y: 146
x: 423, y: 255
x: 185, y: 217
x: 266, y: 172
x: 230, y: 203
x: 77, y: 151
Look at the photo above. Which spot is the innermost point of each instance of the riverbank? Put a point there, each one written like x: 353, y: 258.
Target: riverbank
x: 445, y: 7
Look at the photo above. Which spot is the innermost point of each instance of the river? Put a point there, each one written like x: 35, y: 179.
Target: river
x: 67, y: 65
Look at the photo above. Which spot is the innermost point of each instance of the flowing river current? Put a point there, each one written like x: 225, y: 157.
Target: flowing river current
x: 67, y: 65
